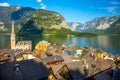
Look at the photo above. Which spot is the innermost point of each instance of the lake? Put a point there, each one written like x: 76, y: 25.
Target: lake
x: 108, y: 43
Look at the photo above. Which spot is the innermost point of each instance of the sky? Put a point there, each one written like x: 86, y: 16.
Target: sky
x: 72, y: 10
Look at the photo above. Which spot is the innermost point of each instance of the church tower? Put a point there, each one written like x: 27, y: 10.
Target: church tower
x: 13, y: 41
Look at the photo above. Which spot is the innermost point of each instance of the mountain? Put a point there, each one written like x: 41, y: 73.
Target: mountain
x: 109, y: 24
x: 43, y: 21
x: 20, y: 14
x: 30, y: 20
x: 49, y: 19
x: 5, y: 17
x: 74, y: 26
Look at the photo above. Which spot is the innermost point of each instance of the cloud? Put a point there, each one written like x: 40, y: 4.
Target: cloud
x: 39, y: 0
x: 115, y: 2
x: 43, y: 6
x: 4, y: 4
x: 111, y: 9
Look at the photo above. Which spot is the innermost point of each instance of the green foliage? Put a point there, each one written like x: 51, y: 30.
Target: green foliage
x: 61, y: 32
x: 20, y: 39
x: 41, y: 23
x: 46, y: 19
x: 83, y: 34
x: 9, y: 46
x: 64, y: 32
x: 30, y: 28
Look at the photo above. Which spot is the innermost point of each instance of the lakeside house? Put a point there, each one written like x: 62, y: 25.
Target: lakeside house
x: 42, y: 45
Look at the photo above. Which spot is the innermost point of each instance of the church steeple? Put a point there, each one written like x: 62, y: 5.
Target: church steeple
x: 13, y: 41
x: 12, y: 28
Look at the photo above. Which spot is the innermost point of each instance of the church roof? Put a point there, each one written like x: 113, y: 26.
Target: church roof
x: 24, y: 43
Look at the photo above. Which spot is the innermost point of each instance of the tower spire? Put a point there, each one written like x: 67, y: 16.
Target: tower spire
x: 12, y: 28
x: 13, y: 41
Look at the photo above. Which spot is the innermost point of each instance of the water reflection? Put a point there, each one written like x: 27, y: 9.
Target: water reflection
x: 4, y: 41
x: 110, y: 44
x: 52, y: 39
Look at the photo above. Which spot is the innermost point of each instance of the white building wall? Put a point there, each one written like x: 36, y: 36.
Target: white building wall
x: 24, y: 47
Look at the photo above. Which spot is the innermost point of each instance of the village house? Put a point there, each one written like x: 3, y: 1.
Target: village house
x: 78, y: 53
x: 42, y: 46
x: 96, y: 64
x: 6, y: 56
x: 53, y: 60
x: 99, y: 53
x: 112, y: 73
x: 60, y: 72
x: 76, y: 70
x: 68, y: 71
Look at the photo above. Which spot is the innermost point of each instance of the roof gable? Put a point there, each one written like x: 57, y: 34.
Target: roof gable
x: 54, y: 58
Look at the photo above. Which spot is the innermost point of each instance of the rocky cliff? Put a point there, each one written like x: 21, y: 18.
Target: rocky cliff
x: 27, y: 19
x: 109, y: 24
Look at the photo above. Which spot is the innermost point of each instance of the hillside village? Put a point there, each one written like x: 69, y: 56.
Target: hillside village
x: 54, y: 62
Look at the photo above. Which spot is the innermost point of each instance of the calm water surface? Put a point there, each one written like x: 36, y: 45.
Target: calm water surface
x: 110, y: 44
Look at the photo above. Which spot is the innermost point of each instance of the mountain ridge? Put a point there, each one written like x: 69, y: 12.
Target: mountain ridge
x: 109, y: 24
x: 28, y: 19
x: 23, y: 15
x: 7, y: 14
